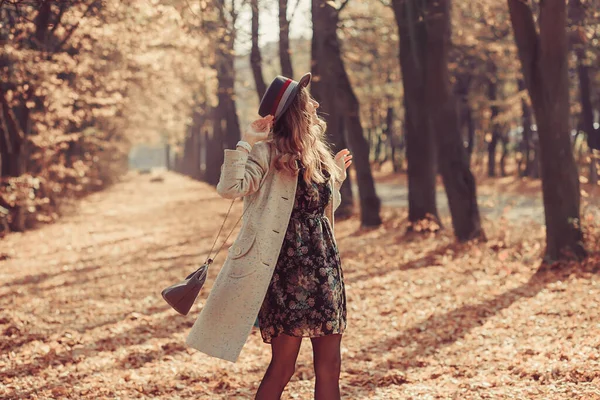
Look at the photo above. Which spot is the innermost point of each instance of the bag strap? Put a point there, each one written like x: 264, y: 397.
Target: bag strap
x: 209, y: 260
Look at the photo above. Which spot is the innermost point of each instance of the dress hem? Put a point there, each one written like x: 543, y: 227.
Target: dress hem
x: 307, y: 336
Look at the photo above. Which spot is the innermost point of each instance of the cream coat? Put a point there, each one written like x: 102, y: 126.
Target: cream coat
x: 235, y: 299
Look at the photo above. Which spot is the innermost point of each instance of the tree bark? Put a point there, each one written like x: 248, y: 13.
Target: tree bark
x: 462, y: 86
x: 323, y: 90
x: 493, y: 143
x: 346, y: 207
x: 420, y: 143
x: 168, y: 164
x: 225, y: 130
x: 504, y: 140
x: 587, y: 113
x: 214, y: 153
x: 471, y: 132
x: 443, y: 117
x: 13, y: 140
x: 13, y: 155
x: 284, y: 41
x: 577, y: 17
x: 527, y: 139
x: 332, y: 70
x: 255, y: 57
x: 389, y: 131
x: 545, y: 69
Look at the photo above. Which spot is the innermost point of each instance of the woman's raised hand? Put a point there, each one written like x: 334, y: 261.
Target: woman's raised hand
x: 258, y: 130
x: 343, y: 159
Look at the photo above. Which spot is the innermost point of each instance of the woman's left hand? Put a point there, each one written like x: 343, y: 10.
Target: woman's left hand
x: 343, y: 159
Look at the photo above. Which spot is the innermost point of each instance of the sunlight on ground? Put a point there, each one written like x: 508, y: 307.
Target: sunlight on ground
x: 82, y: 315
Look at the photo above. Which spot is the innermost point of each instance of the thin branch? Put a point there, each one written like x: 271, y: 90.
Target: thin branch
x: 294, y: 10
x: 190, y: 9
x: 344, y: 4
x: 63, y: 7
x: 74, y: 27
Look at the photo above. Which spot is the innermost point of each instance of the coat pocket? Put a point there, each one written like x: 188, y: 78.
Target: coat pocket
x: 241, y: 264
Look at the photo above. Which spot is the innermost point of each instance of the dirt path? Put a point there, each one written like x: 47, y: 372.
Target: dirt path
x: 82, y: 317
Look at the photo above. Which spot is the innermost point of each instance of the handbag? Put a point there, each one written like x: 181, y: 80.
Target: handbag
x: 182, y: 295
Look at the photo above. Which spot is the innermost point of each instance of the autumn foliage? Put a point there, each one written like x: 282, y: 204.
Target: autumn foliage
x: 80, y: 82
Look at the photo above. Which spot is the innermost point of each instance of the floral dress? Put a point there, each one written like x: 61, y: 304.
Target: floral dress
x: 306, y: 296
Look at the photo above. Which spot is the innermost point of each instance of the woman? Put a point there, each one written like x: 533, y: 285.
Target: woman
x: 284, y: 266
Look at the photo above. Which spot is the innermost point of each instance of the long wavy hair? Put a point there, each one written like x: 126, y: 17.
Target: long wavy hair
x: 297, y: 136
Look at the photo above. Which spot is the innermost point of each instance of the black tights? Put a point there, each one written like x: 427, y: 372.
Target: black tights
x: 327, y: 363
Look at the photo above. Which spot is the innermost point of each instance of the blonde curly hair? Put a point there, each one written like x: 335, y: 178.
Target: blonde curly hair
x: 297, y: 136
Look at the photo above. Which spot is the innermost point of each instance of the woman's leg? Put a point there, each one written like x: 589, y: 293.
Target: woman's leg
x: 328, y: 362
x: 284, y: 350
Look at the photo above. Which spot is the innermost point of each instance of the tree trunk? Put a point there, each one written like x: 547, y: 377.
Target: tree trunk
x: 389, y: 131
x: 369, y: 202
x: 420, y: 146
x: 577, y: 14
x: 504, y: 140
x: 13, y: 141
x: 493, y: 143
x: 168, y: 164
x: 593, y: 176
x: 346, y: 208
x: 187, y: 155
x: 41, y: 21
x: 471, y: 132
x: 14, y: 155
x: 214, y: 153
x: 545, y: 69
x: 323, y: 90
x: 535, y: 161
x: 226, y: 128
x: 526, y: 122
x: 330, y: 70
x: 284, y: 41
x: 587, y: 113
x: 443, y: 118
x: 255, y: 57
x: 463, y: 83
x: 232, y: 132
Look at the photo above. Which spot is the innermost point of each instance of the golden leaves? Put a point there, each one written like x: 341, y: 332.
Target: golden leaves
x: 427, y: 318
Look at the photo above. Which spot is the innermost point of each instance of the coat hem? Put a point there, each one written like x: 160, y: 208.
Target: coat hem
x: 212, y: 353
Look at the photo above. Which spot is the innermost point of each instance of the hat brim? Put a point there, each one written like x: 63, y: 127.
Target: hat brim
x: 303, y: 82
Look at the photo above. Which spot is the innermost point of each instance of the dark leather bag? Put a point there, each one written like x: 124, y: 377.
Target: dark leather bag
x: 181, y: 296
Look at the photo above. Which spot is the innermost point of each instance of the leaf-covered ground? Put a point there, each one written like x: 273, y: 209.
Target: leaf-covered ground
x: 82, y: 316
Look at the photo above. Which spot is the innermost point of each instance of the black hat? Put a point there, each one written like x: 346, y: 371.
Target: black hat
x: 280, y: 94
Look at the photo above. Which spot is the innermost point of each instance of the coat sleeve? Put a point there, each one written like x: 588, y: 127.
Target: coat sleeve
x: 243, y: 173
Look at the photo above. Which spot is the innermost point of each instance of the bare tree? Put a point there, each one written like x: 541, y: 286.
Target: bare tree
x: 255, y: 57
x: 428, y: 30
x: 226, y: 127
x: 334, y: 89
x: 579, y: 42
x: 285, y: 56
x: 544, y: 63
x: 420, y: 143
